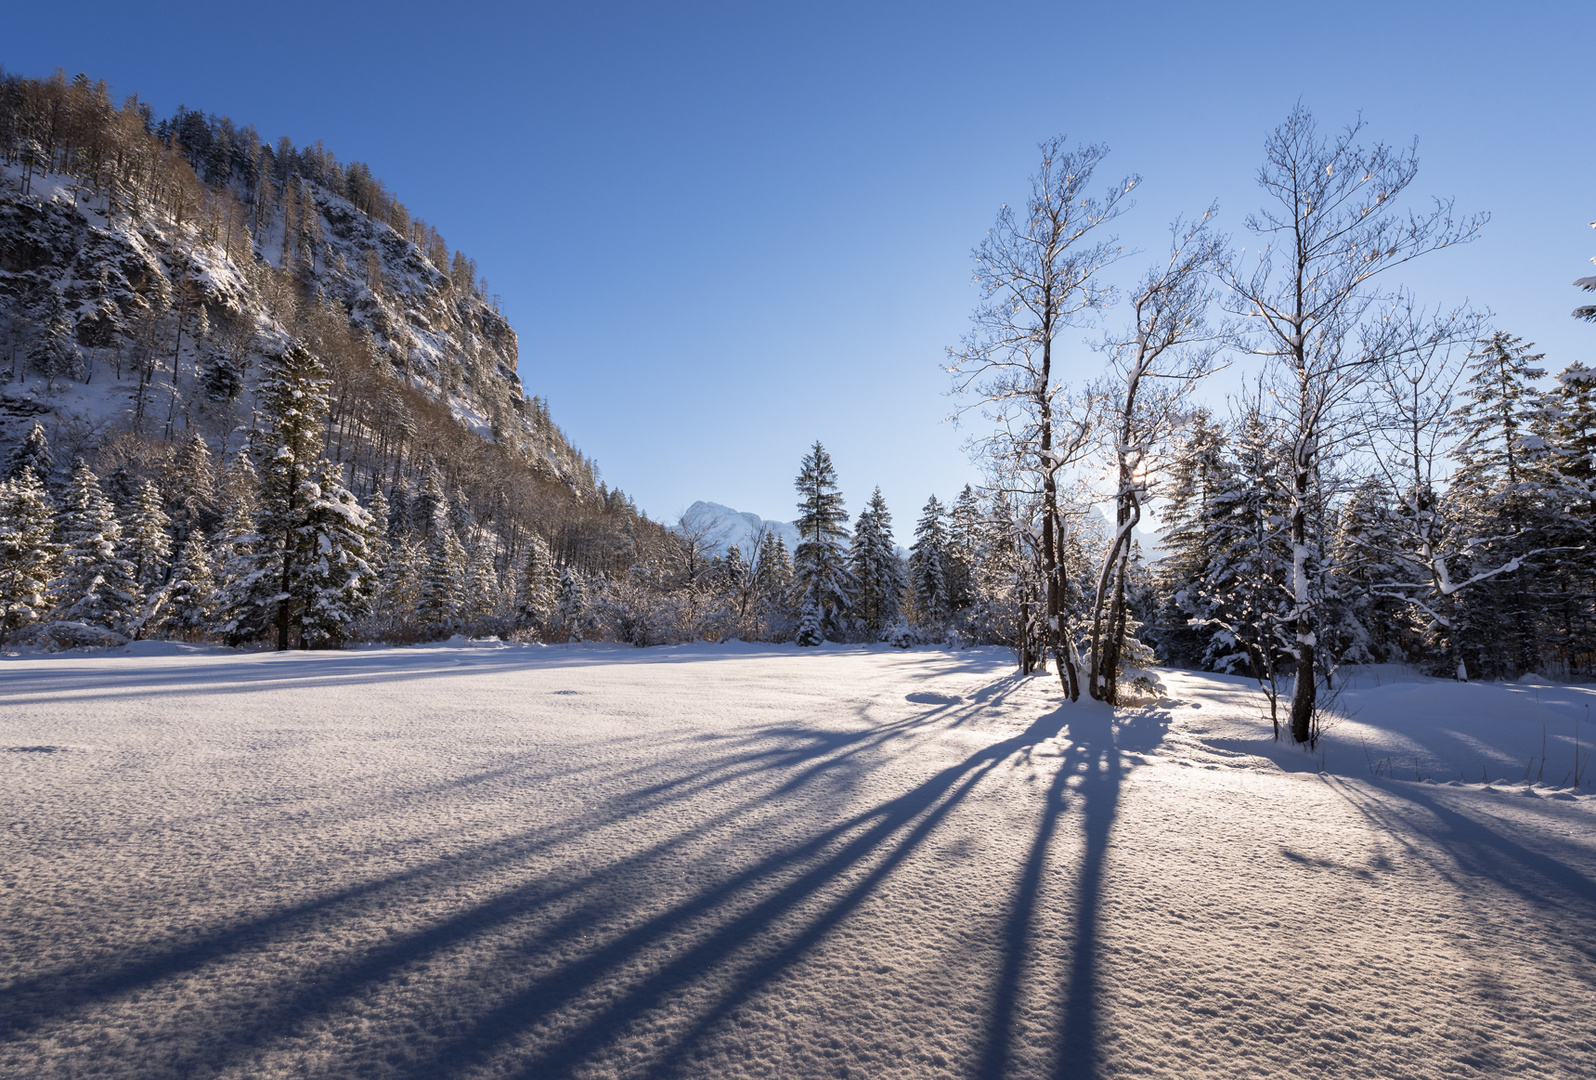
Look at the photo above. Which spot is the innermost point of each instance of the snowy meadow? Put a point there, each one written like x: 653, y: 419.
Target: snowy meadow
x: 755, y: 860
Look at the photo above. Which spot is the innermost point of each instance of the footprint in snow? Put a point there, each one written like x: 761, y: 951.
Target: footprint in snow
x: 926, y: 698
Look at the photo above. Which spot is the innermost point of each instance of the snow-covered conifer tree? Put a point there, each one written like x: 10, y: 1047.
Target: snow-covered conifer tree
x: 442, y: 592
x: 539, y: 579
x: 873, y: 561
x: 33, y: 452
x: 820, y: 564
x: 190, y: 489
x: 964, y: 543
x: 246, y: 593
x: 97, y: 584
x: 27, y: 553
x: 481, y: 600
x: 927, y: 569
x: 775, y: 588
x: 146, y: 541
x: 293, y: 403
x: 191, y: 596
x: 570, y: 606
x: 333, y: 580
x: 54, y: 351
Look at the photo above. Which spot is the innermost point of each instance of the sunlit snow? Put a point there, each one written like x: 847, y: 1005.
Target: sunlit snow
x: 741, y: 860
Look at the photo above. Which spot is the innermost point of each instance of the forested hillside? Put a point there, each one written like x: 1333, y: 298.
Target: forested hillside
x: 152, y: 270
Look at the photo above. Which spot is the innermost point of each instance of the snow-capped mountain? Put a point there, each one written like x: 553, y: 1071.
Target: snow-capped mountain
x: 721, y: 527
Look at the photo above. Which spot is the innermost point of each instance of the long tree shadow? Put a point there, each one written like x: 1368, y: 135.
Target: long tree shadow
x: 865, y: 845
x: 1093, y: 761
x: 807, y: 753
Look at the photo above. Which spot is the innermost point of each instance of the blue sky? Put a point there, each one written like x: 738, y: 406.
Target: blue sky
x: 724, y: 231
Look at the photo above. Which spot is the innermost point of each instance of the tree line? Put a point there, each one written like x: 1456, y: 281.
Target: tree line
x: 1397, y: 484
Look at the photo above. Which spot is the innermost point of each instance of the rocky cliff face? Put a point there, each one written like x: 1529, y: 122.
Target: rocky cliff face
x: 118, y: 319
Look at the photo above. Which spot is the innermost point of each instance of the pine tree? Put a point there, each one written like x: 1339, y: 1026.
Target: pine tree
x: 873, y: 561
x: 1500, y: 490
x: 1588, y: 284
x: 927, y: 569
x: 147, y: 543
x: 54, y: 352
x: 97, y: 585
x: 443, y: 579
x: 333, y: 580
x: 381, y: 543
x: 190, y: 485
x: 539, y: 579
x: 27, y: 553
x: 292, y: 399
x: 570, y: 606
x: 33, y: 452
x: 1200, y: 472
x: 1363, y: 623
x: 774, y: 588
x: 964, y: 541
x: 819, y: 566
x: 191, y: 596
x: 247, y: 590
x: 481, y: 600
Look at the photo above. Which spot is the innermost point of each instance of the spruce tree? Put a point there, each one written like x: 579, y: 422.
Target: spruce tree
x: 97, y: 584
x: 292, y: 400
x: 146, y: 542
x: 1501, y: 490
x: 191, y: 596
x: 54, y: 351
x: 442, y: 585
x: 873, y: 561
x: 927, y: 569
x: 27, y: 553
x: 33, y: 452
x: 820, y: 565
x: 481, y: 599
x: 190, y: 486
x: 247, y: 589
x: 539, y: 579
x: 964, y: 540
x: 774, y: 588
x: 570, y: 606
x: 333, y: 582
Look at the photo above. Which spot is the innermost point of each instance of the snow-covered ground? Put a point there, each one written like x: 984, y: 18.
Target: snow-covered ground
x: 739, y: 860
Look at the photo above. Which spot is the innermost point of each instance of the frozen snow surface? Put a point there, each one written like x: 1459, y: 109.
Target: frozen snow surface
x: 740, y: 861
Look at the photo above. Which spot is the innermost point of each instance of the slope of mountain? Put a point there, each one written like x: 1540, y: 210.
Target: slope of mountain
x: 147, y: 267
x: 720, y: 527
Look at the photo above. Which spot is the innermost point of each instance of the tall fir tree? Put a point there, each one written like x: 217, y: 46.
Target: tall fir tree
x: 964, y: 541
x: 27, y: 552
x: 292, y: 400
x: 928, y: 569
x: 147, y: 541
x: 878, y: 577
x: 246, y: 590
x: 570, y: 607
x: 191, y: 596
x: 820, y: 564
x: 333, y: 580
x: 190, y: 489
x: 97, y: 584
x: 33, y: 452
x: 442, y: 586
x: 539, y: 580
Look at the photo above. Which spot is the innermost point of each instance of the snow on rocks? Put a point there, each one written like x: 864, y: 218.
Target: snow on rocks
x: 750, y: 860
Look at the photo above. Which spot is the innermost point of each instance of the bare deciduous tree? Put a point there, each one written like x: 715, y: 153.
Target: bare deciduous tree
x: 1169, y: 346
x: 1330, y: 228
x: 1038, y: 272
